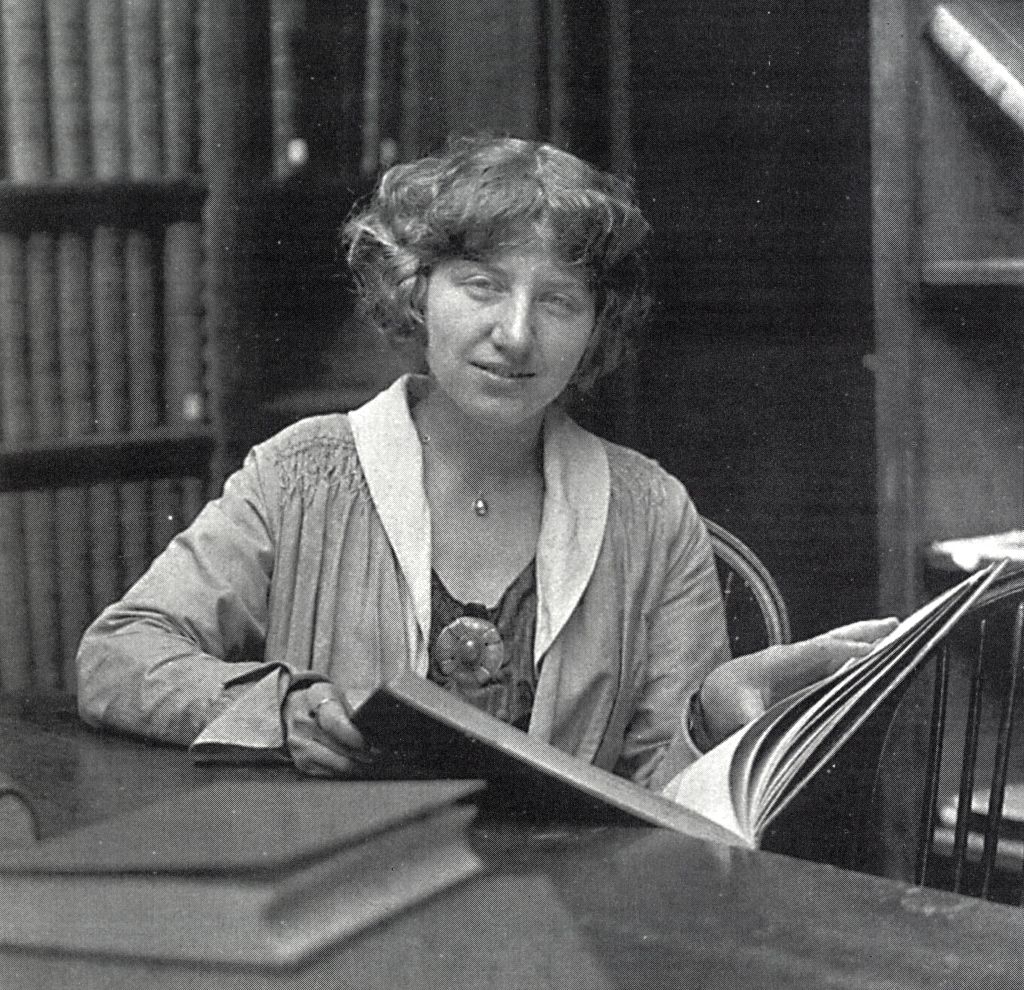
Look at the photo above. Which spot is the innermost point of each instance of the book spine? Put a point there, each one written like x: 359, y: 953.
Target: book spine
x: 108, y: 142
x: 27, y: 519
x: 23, y: 26
x: 15, y: 648
x: 140, y: 267
x: 372, y: 88
x: 287, y: 18
x: 69, y: 86
x: 183, y: 393
x: 40, y: 506
x: 978, y: 63
x: 107, y: 89
x: 142, y: 501
x: 73, y: 512
x: 111, y: 397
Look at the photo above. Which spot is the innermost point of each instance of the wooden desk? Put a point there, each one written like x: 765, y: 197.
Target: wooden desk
x: 586, y: 908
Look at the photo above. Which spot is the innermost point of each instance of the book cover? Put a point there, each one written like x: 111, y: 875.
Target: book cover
x: 749, y: 779
x: 422, y: 731
x: 240, y: 873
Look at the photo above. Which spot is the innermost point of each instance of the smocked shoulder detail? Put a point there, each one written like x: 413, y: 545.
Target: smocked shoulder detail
x: 636, y: 478
x: 318, y: 453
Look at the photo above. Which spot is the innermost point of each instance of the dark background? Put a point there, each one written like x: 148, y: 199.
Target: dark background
x: 749, y: 138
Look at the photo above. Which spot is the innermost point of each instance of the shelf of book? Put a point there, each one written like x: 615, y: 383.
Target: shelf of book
x: 126, y: 130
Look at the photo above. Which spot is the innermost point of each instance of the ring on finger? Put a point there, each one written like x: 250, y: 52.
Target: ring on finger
x: 314, y: 709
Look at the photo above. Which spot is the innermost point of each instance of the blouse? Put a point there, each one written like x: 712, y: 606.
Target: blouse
x: 315, y: 561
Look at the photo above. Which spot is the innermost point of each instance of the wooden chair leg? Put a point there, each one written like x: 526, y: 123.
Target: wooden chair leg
x: 998, y: 789
x: 931, y: 787
x: 970, y: 762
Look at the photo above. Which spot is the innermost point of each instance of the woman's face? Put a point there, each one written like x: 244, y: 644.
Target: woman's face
x: 505, y: 335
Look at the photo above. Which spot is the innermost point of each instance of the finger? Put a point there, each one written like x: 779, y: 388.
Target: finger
x: 331, y: 719
x: 846, y: 650
x: 319, y: 760
x: 864, y: 631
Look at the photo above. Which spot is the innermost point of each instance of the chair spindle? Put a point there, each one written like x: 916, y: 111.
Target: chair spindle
x: 931, y: 787
x: 998, y: 789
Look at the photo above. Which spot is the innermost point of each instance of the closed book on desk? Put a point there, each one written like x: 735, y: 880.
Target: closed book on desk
x: 422, y: 731
x: 748, y: 781
x: 260, y: 873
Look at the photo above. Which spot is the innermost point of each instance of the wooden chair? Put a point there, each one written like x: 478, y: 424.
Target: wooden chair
x: 755, y: 611
x: 986, y: 654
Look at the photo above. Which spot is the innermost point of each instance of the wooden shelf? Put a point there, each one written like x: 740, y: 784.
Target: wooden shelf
x: 160, y: 453
x: 974, y: 271
x: 61, y: 205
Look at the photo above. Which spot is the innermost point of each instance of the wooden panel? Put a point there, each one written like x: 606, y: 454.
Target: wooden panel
x: 895, y: 33
x: 971, y: 367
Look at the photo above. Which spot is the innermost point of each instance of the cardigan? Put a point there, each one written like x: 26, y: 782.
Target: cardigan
x: 315, y: 561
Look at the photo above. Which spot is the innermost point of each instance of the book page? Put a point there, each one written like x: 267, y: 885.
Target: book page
x: 746, y: 780
x: 703, y: 787
x: 854, y: 693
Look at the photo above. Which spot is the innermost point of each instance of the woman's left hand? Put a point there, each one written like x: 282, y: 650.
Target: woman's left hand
x: 742, y: 689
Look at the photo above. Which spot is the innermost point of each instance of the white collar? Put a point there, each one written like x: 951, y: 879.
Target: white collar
x: 577, y: 485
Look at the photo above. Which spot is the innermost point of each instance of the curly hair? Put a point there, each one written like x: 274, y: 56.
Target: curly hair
x: 480, y: 196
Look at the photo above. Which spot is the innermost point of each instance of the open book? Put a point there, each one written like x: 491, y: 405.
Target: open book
x: 731, y: 794
x: 749, y: 779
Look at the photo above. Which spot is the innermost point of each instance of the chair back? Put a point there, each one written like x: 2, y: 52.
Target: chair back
x: 755, y: 611
x: 967, y: 843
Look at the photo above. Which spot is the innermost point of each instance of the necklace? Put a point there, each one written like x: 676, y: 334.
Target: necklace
x: 480, y: 504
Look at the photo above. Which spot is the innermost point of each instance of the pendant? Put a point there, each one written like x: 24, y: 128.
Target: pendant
x: 480, y: 506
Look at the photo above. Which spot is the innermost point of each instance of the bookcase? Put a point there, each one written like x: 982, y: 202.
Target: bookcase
x: 127, y: 130
x: 948, y: 226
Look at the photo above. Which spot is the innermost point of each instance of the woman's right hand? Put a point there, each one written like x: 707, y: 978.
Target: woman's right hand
x: 320, y: 736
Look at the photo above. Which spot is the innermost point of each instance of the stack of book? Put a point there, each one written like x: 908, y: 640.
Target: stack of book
x: 240, y: 873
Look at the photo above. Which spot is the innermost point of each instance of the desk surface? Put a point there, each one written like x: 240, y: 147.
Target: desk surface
x: 586, y: 908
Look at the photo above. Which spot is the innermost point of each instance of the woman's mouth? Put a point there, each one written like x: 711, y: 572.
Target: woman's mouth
x: 504, y: 372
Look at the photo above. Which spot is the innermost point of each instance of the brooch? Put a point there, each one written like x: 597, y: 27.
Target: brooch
x: 470, y: 650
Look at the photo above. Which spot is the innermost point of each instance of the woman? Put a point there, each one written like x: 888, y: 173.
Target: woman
x: 460, y: 523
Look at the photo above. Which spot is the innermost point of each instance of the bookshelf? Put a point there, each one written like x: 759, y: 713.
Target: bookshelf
x: 948, y: 181
x: 126, y: 132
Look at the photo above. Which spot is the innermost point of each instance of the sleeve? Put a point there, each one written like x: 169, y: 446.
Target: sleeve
x: 686, y: 638
x: 184, y: 646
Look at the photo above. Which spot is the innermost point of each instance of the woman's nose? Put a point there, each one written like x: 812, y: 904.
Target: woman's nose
x: 514, y: 329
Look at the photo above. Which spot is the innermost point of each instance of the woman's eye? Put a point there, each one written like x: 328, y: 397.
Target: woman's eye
x: 564, y: 304
x: 480, y: 285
